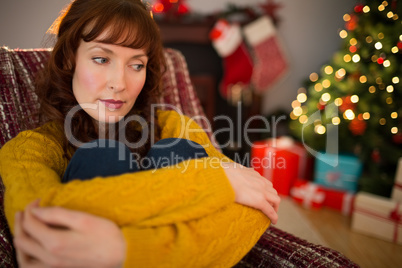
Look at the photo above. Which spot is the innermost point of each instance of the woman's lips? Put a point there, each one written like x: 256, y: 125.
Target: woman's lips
x: 112, y: 104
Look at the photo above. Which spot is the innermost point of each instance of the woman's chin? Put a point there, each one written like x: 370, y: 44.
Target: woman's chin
x: 110, y: 119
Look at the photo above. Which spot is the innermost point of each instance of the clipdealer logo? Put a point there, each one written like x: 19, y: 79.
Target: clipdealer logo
x: 332, y: 135
x: 242, y: 130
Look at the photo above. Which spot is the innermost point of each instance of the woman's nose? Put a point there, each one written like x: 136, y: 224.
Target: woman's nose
x: 116, y: 79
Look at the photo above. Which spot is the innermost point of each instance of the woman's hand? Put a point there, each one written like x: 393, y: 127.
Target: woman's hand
x: 58, y: 237
x: 253, y: 190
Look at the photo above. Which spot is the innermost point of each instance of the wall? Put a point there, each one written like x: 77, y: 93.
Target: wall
x: 23, y: 23
x: 308, y: 30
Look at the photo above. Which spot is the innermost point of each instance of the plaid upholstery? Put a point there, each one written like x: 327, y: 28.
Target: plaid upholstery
x: 278, y: 249
x: 18, y: 102
x: 18, y: 111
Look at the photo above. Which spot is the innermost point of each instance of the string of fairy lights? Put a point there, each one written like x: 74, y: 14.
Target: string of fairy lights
x: 347, y: 103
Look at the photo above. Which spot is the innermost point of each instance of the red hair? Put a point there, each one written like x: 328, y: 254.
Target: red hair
x: 127, y: 23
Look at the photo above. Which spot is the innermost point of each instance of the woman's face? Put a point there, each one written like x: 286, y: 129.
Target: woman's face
x: 108, y: 79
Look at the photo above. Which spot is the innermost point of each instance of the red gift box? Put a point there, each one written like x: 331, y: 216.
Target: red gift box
x: 280, y: 161
x: 339, y: 200
x: 308, y: 194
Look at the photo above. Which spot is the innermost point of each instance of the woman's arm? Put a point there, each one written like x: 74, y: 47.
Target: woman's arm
x: 31, y: 166
x: 57, y: 236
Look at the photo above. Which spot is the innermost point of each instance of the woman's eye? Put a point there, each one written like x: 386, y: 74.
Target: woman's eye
x: 138, y: 67
x: 100, y: 60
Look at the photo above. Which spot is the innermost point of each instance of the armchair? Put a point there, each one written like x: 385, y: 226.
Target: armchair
x: 18, y: 112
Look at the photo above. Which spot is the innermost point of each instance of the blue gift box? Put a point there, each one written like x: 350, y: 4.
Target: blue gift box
x: 338, y: 171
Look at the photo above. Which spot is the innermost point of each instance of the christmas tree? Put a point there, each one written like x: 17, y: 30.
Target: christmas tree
x: 361, y: 84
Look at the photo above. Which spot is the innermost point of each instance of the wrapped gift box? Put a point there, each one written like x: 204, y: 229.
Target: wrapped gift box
x: 397, y: 189
x: 340, y: 172
x: 279, y: 160
x: 339, y: 200
x: 312, y: 195
x: 377, y: 216
x: 308, y: 194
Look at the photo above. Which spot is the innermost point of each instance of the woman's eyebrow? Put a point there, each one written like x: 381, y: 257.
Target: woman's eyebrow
x: 109, y: 51
x: 140, y: 56
x: 101, y: 47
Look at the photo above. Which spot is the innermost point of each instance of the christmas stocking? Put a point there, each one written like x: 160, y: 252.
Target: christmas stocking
x: 270, y: 62
x: 237, y: 63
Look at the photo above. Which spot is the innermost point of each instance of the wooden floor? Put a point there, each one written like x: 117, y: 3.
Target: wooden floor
x: 366, y: 251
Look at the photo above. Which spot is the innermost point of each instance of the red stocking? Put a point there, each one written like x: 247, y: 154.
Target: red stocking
x: 270, y: 61
x: 237, y: 64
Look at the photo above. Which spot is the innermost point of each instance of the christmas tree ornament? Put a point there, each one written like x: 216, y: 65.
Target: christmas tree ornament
x: 394, y: 4
x: 397, y: 138
x: 270, y: 63
x: 320, y: 106
x: 351, y: 24
x: 375, y: 156
x: 357, y: 127
x: 359, y: 8
x: 353, y: 49
x: 355, y: 76
x: 237, y: 64
x: 347, y: 104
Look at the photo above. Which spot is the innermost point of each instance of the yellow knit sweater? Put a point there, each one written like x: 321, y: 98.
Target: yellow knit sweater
x: 172, y: 217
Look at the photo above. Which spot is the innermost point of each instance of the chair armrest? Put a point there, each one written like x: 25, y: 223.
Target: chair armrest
x: 7, y: 253
x: 277, y: 248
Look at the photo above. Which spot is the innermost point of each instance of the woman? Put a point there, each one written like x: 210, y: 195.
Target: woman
x: 107, y: 62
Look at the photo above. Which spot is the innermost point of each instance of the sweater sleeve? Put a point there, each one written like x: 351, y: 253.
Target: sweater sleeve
x: 32, y: 163
x: 220, y: 239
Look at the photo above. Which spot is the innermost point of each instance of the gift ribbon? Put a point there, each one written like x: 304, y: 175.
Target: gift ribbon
x: 332, y: 177
x: 394, y: 216
x: 347, y: 203
x: 309, y: 194
x: 268, y: 171
x: 397, y: 192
